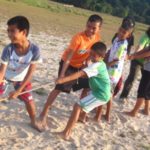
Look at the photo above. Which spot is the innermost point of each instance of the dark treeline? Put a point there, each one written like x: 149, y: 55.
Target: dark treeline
x: 139, y: 9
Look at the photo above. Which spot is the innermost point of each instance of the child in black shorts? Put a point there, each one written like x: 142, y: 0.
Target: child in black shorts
x: 144, y: 86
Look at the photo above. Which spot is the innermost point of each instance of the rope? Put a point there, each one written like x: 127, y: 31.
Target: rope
x: 33, y: 89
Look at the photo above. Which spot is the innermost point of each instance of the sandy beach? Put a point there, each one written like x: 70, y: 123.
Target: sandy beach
x: 122, y: 133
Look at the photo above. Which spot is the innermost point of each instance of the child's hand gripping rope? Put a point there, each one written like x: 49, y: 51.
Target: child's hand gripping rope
x: 14, y: 94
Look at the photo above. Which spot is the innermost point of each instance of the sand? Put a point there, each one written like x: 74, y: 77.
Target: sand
x: 123, y: 132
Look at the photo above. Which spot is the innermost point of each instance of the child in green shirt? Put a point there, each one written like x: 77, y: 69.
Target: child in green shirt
x: 99, y: 84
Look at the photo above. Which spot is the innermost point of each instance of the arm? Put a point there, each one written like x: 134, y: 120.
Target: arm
x: 107, y: 56
x: 3, y: 68
x: 27, y: 78
x: 109, y: 64
x: 71, y: 77
x: 142, y: 43
x: 119, y: 55
x: 66, y: 63
x: 141, y: 54
x: 74, y: 44
x: 138, y: 48
x: 4, y: 62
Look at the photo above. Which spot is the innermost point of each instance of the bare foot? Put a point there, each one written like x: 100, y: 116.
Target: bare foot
x: 43, y: 122
x: 36, y: 125
x: 63, y: 136
x: 145, y: 112
x: 97, y: 120
x: 107, y: 118
x: 83, y: 120
x: 131, y: 114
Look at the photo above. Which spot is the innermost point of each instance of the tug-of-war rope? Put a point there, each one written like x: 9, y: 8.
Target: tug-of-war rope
x: 33, y: 89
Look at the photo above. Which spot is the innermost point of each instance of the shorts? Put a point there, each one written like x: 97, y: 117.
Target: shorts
x: 144, y: 86
x: 90, y: 102
x: 27, y: 97
x: 75, y: 85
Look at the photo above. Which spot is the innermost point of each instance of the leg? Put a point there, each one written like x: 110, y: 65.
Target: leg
x: 51, y: 98
x: 142, y: 93
x: 134, y: 71
x: 146, y: 109
x: 98, y: 114
x: 29, y: 103
x: 108, y: 110
x: 31, y: 109
x: 118, y: 86
x: 90, y: 103
x: 147, y: 96
x: 83, y: 116
x: 2, y: 88
x: 136, y: 108
x: 71, y: 123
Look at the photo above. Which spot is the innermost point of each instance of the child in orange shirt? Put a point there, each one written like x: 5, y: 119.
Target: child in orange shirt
x: 73, y: 60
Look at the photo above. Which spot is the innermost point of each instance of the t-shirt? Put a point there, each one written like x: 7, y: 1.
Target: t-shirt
x: 117, y: 51
x: 144, y: 42
x: 99, y: 80
x: 17, y: 66
x: 81, y: 45
x: 130, y: 42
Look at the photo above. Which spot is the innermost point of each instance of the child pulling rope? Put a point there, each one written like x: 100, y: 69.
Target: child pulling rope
x: 33, y: 89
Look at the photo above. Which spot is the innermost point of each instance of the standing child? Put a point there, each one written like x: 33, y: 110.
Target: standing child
x: 116, y: 58
x: 99, y: 83
x: 136, y: 65
x: 130, y: 21
x: 144, y: 86
x: 73, y: 60
x: 19, y: 60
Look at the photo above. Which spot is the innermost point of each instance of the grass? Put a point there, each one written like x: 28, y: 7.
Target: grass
x: 52, y: 6
x: 57, y: 19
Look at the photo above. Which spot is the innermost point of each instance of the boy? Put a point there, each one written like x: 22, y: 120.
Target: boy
x: 99, y: 83
x: 73, y: 60
x: 18, y: 64
x: 144, y: 86
x: 116, y: 59
x: 130, y: 21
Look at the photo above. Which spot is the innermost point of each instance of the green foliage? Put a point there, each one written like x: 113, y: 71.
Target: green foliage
x: 140, y: 10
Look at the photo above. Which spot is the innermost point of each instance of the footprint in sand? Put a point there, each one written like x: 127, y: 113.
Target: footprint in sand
x: 122, y: 118
x: 21, y: 131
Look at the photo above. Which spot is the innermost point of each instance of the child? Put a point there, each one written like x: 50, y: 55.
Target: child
x: 144, y: 86
x: 73, y: 60
x: 116, y: 59
x: 136, y: 65
x: 130, y: 21
x: 19, y: 60
x: 99, y: 83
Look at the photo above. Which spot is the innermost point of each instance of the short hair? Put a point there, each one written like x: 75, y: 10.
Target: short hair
x: 148, y: 32
x: 21, y: 22
x: 99, y: 48
x: 95, y: 18
x: 126, y: 26
x: 129, y: 21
